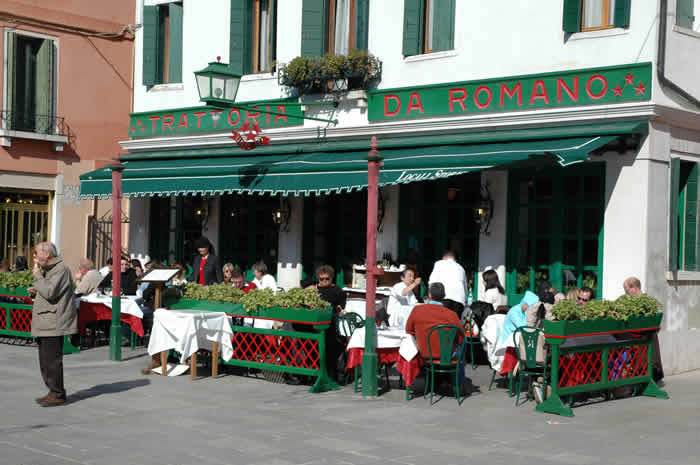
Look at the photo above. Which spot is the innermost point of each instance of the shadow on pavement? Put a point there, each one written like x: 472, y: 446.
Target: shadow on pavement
x: 111, y: 388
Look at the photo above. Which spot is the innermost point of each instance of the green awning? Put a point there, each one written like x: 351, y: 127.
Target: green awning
x: 324, y: 172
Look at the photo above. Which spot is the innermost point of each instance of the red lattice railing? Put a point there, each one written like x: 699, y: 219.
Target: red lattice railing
x: 276, y: 350
x: 3, y: 318
x: 21, y: 320
x: 627, y: 362
x: 580, y: 368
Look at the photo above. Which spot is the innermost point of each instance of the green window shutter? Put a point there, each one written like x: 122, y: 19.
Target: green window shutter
x: 413, y: 17
x: 313, y: 28
x: 240, y: 43
x: 690, y: 233
x: 10, y: 90
x: 444, y: 25
x: 673, y: 229
x: 622, y: 13
x: 273, y: 31
x: 175, y: 52
x: 362, y: 22
x: 150, y: 45
x: 684, y: 13
x: 572, y: 15
x: 43, y: 88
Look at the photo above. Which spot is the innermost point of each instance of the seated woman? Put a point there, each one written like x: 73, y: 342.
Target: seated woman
x: 227, y: 270
x: 262, y: 279
x: 494, y: 292
x: 516, y: 315
x: 402, y: 299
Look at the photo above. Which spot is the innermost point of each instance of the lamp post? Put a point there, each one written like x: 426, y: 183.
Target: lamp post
x: 370, y: 361
x: 115, y: 332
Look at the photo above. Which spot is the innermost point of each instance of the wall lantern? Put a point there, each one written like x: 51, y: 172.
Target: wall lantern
x: 281, y: 215
x: 483, y: 210
x: 217, y: 83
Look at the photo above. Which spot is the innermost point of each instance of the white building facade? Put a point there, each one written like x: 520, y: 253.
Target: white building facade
x: 575, y: 125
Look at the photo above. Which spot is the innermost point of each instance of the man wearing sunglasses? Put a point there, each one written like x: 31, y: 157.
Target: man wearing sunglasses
x: 585, y: 295
x: 336, y: 297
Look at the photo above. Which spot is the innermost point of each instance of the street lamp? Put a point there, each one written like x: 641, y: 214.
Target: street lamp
x: 217, y: 83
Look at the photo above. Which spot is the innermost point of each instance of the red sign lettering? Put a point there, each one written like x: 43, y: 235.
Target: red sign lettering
x: 153, y: 123
x: 596, y: 77
x: 168, y: 121
x: 539, y: 91
x: 215, y: 114
x: 414, y: 103
x: 199, y: 115
x: 183, y: 122
x: 386, y: 105
x: 573, y: 95
x: 511, y: 93
x: 459, y: 99
x: 479, y: 90
x: 252, y: 116
x: 281, y: 109
x: 238, y: 117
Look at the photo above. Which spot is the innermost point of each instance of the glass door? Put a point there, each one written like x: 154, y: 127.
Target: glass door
x: 555, y: 228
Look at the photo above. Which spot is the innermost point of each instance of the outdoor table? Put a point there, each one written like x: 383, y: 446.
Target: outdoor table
x: 99, y: 308
x: 393, y: 346
x: 187, y: 331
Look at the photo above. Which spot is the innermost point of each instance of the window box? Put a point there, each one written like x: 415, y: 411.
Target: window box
x: 317, y: 316
x: 600, y: 325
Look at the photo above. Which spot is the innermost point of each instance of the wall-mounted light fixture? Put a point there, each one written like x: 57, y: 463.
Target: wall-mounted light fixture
x: 281, y: 215
x: 483, y: 210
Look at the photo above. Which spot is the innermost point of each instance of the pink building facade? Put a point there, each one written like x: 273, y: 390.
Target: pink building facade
x: 66, y: 91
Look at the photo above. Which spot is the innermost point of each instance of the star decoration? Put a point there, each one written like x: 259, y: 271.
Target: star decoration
x: 617, y: 91
x: 640, y: 89
x: 629, y: 79
x: 245, y: 127
x: 250, y: 136
x: 133, y: 130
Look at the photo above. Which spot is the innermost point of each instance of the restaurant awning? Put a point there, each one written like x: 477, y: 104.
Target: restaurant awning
x: 324, y: 172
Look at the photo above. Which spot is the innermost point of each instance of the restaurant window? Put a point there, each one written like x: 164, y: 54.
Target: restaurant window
x: 555, y: 229
x: 252, y: 42
x: 334, y: 27
x: 30, y: 87
x: 591, y: 15
x: 685, y: 251
x: 24, y: 222
x: 162, y: 43
x: 435, y: 216
x: 428, y: 26
x: 685, y: 14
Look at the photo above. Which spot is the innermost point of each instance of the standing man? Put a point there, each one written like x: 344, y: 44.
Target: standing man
x: 452, y: 276
x: 53, y: 317
x: 633, y: 286
x: 206, y: 269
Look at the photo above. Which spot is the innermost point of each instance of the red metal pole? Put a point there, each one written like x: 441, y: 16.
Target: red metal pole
x: 370, y: 363
x: 115, y: 333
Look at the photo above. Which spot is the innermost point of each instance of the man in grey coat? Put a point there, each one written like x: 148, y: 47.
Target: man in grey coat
x: 53, y: 317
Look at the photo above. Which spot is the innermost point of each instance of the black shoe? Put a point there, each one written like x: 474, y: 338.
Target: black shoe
x: 291, y: 379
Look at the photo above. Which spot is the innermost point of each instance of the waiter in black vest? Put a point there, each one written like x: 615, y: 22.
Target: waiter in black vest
x: 206, y: 268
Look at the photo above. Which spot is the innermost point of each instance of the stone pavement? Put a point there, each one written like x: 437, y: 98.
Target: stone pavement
x: 116, y: 416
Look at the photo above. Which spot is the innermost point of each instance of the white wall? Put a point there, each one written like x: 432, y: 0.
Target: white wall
x: 492, y: 247
x: 290, y: 247
x: 682, y: 66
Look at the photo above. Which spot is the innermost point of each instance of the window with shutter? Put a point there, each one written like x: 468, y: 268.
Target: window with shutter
x: 334, y: 27
x: 429, y: 26
x: 591, y: 15
x: 162, y: 43
x: 685, y: 14
x: 253, y: 43
x: 683, y: 230
x: 30, y: 87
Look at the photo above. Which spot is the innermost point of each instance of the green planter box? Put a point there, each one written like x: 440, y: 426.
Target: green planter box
x: 604, y: 325
x: 18, y: 291
x: 275, y: 313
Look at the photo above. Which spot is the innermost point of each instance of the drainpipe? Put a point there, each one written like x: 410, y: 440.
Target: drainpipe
x: 57, y: 212
x: 661, y: 57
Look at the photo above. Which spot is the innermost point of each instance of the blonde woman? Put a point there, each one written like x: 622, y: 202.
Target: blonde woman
x: 228, y: 273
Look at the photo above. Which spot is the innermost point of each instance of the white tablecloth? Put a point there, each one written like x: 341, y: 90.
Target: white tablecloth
x: 387, y: 339
x: 187, y: 331
x: 384, y: 291
x: 128, y: 303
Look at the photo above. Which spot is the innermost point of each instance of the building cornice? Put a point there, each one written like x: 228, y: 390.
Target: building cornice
x: 431, y: 126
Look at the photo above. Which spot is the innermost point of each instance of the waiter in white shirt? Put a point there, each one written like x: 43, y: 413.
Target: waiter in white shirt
x: 451, y: 274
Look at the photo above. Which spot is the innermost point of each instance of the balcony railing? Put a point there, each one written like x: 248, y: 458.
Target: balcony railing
x: 41, y: 124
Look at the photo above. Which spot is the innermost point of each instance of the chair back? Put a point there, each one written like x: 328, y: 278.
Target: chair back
x: 349, y: 322
x: 447, y: 335
x: 528, y: 341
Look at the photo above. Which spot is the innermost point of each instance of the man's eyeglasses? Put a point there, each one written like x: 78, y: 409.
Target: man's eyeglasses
x: 581, y: 299
x: 324, y: 278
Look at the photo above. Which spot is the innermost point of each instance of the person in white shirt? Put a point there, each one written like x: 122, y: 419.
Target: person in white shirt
x: 452, y: 276
x: 402, y: 299
x: 262, y: 279
x: 495, y: 294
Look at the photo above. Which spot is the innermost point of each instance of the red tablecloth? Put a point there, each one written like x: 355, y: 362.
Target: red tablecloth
x: 510, y: 359
x: 409, y: 369
x: 90, y: 312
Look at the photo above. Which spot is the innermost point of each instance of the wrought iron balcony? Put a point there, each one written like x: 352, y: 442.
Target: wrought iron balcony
x: 29, y: 122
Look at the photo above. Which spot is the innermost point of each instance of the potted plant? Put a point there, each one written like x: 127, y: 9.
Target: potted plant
x: 16, y: 283
x: 364, y: 69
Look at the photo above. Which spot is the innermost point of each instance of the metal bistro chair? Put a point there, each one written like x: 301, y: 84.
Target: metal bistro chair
x: 528, y: 365
x: 472, y: 340
x: 449, y: 360
x: 349, y: 322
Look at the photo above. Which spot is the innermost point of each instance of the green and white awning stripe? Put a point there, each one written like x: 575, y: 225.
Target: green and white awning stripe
x: 323, y: 172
